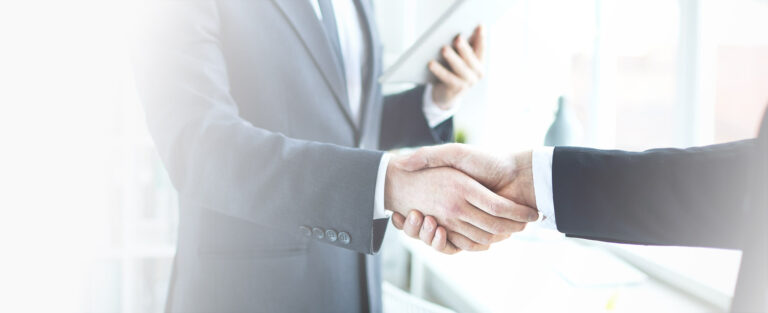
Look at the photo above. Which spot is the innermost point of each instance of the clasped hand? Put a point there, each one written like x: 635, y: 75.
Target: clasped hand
x: 458, y: 198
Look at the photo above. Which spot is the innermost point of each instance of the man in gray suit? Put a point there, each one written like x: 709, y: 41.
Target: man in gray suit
x: 267, y: 115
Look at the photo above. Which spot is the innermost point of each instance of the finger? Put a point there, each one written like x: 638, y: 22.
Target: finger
x: 413, y: 224
x: 464, y: 243
x: 472, y: 232
x: 430, y: 157
x: 428, y: 228
x: 459, y: 67
x: 497, y: 238
x: 499, y: 206
x: 478, y: 42
x: 398, y: 220
x: 492, y: 224
x: 440, y: 242
x: 445, y: 76
x: 468, y: 55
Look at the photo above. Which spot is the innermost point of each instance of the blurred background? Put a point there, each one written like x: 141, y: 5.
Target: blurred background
x: 88, y: 215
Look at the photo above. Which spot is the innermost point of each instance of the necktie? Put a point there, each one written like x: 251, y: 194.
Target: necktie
x: 331, y: 30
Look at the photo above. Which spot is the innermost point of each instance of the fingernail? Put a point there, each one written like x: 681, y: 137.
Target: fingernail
x: 412, y: 219
x: 534, y: 216
x: 427, y: 226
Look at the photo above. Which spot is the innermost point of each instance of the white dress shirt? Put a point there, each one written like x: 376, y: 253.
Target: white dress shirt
x: 354, y: 55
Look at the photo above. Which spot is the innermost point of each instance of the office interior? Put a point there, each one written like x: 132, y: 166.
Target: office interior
x: 95, y: 230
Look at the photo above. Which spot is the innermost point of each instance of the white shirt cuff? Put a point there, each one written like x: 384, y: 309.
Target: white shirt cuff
x: 378, y: 195
x: 542, y: 185
x: 435, y: 115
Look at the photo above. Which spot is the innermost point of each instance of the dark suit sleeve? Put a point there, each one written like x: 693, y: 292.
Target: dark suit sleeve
x: 686, y: 197
x: 403, y: 123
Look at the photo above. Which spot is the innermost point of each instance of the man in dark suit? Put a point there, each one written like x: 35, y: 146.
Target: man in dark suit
x: 713, y: 196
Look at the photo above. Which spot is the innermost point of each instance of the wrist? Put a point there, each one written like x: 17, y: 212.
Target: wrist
x: 389, y: 186
x: 441, y: 98
x: 523, y: 178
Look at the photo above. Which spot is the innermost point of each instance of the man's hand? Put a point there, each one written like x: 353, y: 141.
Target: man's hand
x: 471, y: 216
x: 510, y: 177
x: 465, y: 60
x: 425, y: 228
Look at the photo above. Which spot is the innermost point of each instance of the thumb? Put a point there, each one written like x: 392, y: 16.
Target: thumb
x: 430, y: 157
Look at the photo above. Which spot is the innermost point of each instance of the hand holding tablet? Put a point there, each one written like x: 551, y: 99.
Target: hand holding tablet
x: 461, y: 19
x: 462, y: 68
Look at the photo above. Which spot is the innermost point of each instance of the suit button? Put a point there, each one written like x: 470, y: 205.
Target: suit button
x: 344, y: 238
x: 331, y: 235
x: 305, y: 231
x: 318, y: 232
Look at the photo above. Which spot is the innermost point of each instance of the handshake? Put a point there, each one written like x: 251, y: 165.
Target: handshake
x: 455, y: 198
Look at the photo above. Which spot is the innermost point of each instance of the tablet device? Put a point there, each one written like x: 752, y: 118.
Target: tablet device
x: 461, y: 18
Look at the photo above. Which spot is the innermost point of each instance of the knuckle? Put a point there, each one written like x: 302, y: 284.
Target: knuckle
x: 454, y: 211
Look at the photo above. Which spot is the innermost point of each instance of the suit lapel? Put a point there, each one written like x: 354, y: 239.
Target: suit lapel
x: 306, y: 24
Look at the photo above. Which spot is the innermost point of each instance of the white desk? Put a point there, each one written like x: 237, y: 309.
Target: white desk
x: 523, y: 274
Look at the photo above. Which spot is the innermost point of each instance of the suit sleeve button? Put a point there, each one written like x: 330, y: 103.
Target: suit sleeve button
x: 305, y: 231
x: 331, y: 235
x: 344, y: 238
x: 318, y: 232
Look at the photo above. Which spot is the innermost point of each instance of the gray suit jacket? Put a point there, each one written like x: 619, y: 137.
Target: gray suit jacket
x: 249, y: 113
